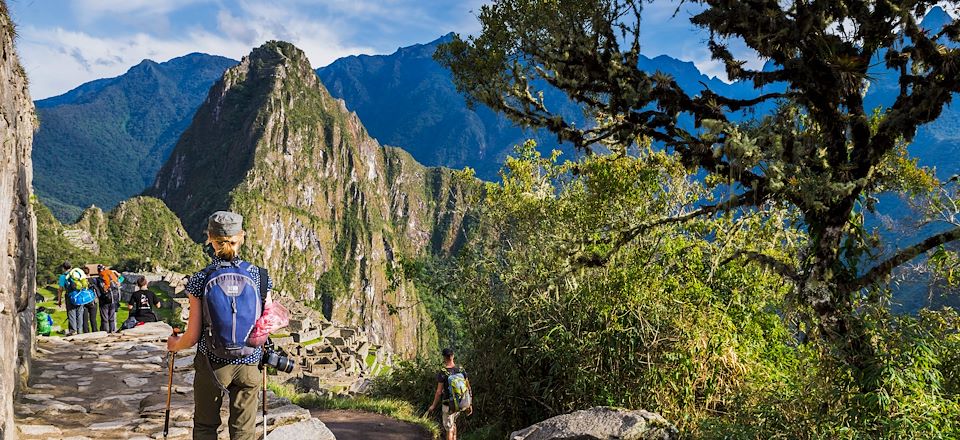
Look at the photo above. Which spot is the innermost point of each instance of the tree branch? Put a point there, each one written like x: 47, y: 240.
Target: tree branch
x: 785, y: 270
x: 883, y: 269
x: 595, y: 259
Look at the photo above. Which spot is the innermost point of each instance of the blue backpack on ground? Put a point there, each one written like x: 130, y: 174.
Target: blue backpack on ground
x: 232, y: 303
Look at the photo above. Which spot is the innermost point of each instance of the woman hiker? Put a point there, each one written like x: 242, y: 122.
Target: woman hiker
x: 224, y: 298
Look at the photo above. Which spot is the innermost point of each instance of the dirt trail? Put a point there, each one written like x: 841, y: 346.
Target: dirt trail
x: 359, y: 425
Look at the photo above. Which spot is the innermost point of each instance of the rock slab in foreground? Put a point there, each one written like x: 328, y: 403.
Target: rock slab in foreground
x: 601, y: 423
x: 309, y: 429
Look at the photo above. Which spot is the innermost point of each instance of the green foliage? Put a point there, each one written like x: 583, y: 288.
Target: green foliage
x: 141, y: 234
x: 823, y: 153
x: 664, y: 325
x: 821, y: 158
x: 671, y: 323
x: 52, y: 247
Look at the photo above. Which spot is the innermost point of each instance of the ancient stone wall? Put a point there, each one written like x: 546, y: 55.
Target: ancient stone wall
x: 17, y: 226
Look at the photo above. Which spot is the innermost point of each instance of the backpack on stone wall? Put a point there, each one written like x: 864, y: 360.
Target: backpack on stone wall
x: 232, y: 303
x: 458, y: 390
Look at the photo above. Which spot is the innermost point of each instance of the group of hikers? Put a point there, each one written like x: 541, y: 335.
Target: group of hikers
x: 86, y: 295
x: 231, y: 315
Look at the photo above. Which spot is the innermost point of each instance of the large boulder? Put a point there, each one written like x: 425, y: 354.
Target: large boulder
x: 601, y: 423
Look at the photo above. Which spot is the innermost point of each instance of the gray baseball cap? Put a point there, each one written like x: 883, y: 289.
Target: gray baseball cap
x: 225, y: 224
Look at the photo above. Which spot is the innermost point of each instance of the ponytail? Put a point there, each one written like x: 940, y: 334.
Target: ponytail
x: 227, y: 248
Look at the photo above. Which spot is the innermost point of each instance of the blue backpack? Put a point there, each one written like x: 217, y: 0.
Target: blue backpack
x: 232, y: 303
x: 80, y: 297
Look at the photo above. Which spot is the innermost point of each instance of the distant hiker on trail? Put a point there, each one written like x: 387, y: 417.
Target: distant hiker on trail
x: 453, y: 389
x: 226, y: 299
x: 92, y: 309
x: 73, y: 284
x: 109, y: 298
x: 142, y: 303
x: 44, y: 322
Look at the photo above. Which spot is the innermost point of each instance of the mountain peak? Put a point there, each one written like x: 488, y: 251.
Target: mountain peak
x: 323, y: 200
x: 275, y: 53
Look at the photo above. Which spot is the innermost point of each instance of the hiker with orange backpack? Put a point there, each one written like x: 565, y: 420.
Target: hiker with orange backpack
x: 109, y: 298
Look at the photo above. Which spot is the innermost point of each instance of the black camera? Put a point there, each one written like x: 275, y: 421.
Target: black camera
x: 276, y: 358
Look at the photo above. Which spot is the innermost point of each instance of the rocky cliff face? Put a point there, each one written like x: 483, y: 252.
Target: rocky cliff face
x: 327, y: 209
x: 17, y: 226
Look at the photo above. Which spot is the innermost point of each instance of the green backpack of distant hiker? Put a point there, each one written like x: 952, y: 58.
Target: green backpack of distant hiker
x: 75, y: 280
x: 43, y: 323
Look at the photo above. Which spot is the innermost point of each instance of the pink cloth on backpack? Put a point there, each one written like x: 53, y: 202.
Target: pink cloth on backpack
x: 275, y: 316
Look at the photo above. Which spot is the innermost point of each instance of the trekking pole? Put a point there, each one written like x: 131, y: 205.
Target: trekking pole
x: 264, y: 402
x: 166, y: 416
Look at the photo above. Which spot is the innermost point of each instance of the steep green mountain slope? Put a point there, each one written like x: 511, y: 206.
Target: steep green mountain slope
x: 105, y: 140
x: 328, y: 210
x: 139, y: 234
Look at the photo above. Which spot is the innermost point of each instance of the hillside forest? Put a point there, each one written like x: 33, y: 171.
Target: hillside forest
x: 721, y: 274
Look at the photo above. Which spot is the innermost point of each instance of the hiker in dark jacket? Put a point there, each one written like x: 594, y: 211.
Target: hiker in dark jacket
x: 240, y: 377
x: 109, y: 298
x: 92, y: 309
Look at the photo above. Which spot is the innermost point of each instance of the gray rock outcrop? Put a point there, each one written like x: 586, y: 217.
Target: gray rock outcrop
x: 601, y: 423
x: 17, y: 226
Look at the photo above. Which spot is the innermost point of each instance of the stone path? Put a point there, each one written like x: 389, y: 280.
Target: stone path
x: 100, y: 386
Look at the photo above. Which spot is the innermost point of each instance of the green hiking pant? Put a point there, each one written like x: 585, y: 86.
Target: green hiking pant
x: 242, y: 382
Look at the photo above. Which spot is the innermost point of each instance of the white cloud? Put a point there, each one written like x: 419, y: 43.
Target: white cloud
x: 89, y: 11
x: 57, y: 60
x: 104, y: 38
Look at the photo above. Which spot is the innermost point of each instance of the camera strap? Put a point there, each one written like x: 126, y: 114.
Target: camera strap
x: 262, y: 274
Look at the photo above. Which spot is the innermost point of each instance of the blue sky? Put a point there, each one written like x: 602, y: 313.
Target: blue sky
x: 64, y: 43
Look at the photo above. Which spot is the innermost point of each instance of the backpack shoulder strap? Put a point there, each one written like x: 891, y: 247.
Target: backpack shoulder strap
x: 206, y: 273
x: 263, y: 275
x: 205, y: 314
